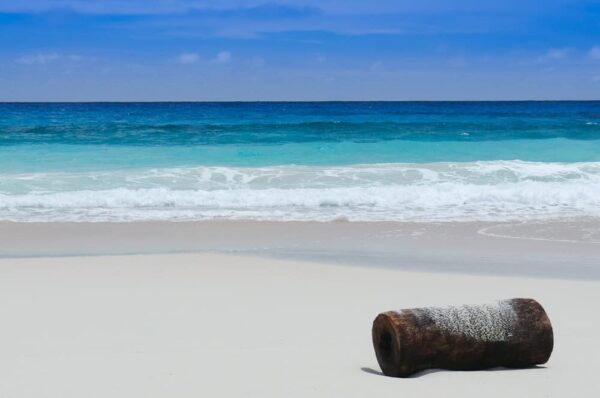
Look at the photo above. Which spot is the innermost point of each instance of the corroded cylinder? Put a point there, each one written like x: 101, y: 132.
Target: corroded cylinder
x: 511, y: 333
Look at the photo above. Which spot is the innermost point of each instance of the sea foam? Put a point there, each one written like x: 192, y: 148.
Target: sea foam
x: 494, y: 190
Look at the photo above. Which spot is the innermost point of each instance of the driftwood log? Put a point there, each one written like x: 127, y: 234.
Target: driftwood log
x: 511, y: 333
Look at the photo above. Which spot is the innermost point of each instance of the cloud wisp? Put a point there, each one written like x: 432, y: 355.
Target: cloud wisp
x: 44, y: 58
x: 38, y: 58
x: 188, y: 58
x: 222, y: 57
x: 555, y: 54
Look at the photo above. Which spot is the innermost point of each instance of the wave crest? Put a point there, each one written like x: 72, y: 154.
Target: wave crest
x: 500, y: 190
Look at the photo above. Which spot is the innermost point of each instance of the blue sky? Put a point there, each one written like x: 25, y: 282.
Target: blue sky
x: 70, y: 50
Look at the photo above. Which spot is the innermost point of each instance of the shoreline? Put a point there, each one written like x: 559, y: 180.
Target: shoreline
x: 560, y: 249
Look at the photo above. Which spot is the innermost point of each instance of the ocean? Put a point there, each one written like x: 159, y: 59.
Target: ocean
x: 323, y: 161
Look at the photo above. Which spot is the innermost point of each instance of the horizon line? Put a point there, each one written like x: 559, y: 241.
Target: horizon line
x: 284, y: 101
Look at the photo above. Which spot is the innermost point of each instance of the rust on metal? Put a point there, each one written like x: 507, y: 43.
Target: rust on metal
x: 511, y: 333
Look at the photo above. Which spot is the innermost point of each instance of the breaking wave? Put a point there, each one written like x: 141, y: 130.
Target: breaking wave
x: 494, y: 190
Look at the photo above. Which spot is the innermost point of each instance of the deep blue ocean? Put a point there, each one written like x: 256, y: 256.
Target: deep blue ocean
x: 406, y: 161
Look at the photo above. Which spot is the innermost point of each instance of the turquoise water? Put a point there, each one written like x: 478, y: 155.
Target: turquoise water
x: 299, y: 161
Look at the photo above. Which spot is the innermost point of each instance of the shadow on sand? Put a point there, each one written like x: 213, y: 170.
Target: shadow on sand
x: 430, y: 371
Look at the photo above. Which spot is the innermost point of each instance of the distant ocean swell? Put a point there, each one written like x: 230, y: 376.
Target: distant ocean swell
x: 432, y: 129
x: 486, y: 190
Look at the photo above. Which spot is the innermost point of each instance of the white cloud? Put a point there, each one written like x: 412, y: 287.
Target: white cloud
x: 223, y: 57
x: 41, y: 58
x: 594, y: 52
x: 556, y: 53
x: 188, y: 58
x: 38, y: 58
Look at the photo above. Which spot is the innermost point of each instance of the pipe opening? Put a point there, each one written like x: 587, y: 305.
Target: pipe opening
x: 385, y: 345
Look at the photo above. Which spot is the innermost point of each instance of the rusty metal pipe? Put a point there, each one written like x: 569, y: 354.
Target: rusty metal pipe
x: 511, y: 333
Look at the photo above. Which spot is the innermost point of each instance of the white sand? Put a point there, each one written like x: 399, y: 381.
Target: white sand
x: 200, y: 325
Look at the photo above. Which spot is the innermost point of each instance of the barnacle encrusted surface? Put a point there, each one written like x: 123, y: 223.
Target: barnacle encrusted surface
x: 486, y: 322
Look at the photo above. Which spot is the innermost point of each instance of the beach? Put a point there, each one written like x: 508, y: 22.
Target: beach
x: 268, y: 322
x: 244, y: 249
x: 275, y: 199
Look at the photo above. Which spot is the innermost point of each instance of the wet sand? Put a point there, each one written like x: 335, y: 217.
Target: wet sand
x: 561, y: 249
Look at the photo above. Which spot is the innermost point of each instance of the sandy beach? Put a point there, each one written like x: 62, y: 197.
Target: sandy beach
x: 280, y: 199
x: 259, y: 324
